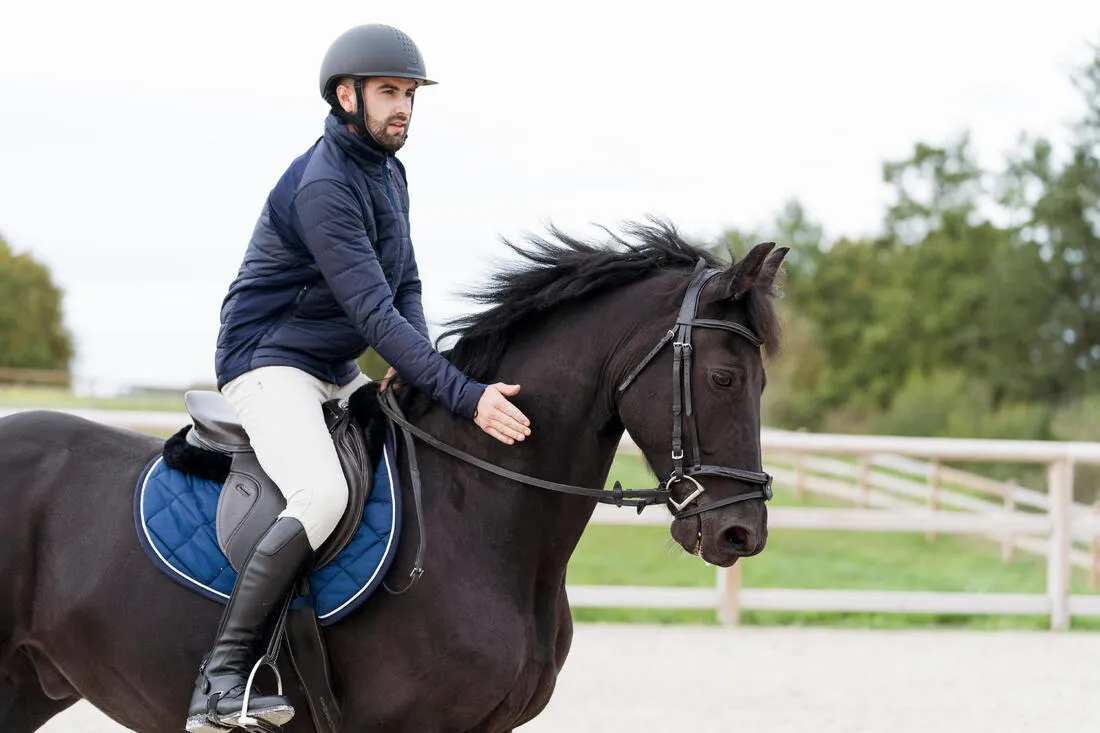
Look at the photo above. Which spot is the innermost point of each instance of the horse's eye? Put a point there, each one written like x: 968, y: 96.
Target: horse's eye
x: 721, y: 378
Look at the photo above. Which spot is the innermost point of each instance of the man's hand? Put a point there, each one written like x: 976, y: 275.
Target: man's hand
x: 500, y: 418
x: 390, y: 374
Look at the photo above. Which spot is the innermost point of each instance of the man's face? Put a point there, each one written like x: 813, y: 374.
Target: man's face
x: 389, y: 108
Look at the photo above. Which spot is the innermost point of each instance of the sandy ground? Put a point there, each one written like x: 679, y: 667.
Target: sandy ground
x: 630, y: 678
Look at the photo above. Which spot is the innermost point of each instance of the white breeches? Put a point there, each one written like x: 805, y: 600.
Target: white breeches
x: 280, y: 409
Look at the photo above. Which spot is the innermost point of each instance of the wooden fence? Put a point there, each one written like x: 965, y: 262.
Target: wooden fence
x: 1053, y: 519
x: 49, y: 377
x: 1050, y: 518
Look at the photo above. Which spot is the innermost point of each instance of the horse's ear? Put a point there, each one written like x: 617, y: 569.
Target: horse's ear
x: 742, y: 276
x: 770, y: 270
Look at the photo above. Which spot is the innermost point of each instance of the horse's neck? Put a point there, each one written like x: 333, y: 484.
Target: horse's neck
x: 562, y: 368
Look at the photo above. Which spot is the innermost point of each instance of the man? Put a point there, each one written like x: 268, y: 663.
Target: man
x: 329, y: 271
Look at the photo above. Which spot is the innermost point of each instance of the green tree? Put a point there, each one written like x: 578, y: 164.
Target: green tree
x: 956, y: 319
x: 942, y: 288
x: 936, y: 189
x: 32, y: 335
x: 1057, y: 207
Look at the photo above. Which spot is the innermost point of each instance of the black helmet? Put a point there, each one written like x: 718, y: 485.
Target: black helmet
x: 371, y: 50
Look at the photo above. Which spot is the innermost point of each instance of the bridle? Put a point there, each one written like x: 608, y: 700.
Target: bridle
x: 680, y: 338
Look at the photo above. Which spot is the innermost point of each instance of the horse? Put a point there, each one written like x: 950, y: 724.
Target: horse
x: 589, y: 328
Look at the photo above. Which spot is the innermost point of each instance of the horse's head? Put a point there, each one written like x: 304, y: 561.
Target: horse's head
x: 705, y: 382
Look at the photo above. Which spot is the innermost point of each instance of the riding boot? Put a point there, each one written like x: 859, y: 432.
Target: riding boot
x: 263, y: 586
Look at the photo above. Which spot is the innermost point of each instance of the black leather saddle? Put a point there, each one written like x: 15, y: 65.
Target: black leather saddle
x: 250, y: 501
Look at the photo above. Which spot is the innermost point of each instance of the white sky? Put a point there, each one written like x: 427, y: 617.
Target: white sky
x: 138, y: 140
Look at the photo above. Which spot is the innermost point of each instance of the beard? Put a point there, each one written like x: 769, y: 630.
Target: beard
x: 390, y: 141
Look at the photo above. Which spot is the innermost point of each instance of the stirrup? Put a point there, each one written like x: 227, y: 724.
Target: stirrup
x: 245, y: 720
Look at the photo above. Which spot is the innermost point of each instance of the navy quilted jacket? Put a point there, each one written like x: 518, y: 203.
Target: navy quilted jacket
x: 330, y: 271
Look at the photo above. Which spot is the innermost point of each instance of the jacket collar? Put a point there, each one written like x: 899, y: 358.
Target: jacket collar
x: 365, y: 152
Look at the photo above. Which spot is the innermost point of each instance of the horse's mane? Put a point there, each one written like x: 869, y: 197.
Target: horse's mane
x: 561, y: 268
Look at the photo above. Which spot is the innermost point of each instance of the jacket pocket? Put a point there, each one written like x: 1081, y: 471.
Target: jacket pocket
x: 287, y: 313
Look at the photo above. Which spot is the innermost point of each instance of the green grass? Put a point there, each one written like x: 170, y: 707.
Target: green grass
x: 812, y: 559
x: 26, y: 396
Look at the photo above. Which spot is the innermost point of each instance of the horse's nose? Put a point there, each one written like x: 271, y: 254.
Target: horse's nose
x: 740, y: 540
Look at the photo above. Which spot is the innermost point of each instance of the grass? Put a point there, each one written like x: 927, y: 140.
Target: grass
x: 28, y: 396
x: 812, y: 559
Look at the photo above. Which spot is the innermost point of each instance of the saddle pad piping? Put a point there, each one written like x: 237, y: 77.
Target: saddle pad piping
x: 147, y: 540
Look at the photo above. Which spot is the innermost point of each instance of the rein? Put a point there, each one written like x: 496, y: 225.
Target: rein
x: 682, y: 405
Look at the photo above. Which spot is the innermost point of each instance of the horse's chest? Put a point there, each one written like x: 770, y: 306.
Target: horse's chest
x: 549, y: 637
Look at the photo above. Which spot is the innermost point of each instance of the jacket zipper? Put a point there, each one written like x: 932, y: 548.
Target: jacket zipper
x: 288, y: 312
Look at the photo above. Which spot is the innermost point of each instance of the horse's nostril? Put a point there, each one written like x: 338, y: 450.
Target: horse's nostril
x: 737, y: 536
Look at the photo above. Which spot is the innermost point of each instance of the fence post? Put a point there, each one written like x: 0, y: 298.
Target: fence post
x: 1008, y: 547
x: 934, y: 492
x: 1094, y: 555
x: 865, y: 481
x: 729, y: 595
x: 1060, y: 487
x: 800, y: 477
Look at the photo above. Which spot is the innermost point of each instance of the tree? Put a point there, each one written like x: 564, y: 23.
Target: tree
x: 1057, y: 204
x: 32, y: 335
x: 937, y: 189
x: 942, y: 289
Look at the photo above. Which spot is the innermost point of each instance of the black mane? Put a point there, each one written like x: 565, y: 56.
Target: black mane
x: 562, y: 268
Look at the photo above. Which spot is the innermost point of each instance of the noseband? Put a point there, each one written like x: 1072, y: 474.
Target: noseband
x: 680, y: 338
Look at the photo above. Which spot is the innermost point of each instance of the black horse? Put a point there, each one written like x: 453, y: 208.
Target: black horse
x: 477, y: 643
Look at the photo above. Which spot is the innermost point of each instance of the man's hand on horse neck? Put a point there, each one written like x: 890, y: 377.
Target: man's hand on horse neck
x: 500, y: 418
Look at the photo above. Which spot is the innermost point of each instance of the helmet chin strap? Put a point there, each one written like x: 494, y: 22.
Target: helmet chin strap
x: 361, y: 120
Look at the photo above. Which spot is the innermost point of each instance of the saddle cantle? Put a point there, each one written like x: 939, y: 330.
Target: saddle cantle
x: 250, y: 501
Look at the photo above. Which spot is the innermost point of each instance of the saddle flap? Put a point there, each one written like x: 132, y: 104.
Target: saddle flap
x: 250, y: 501
x: 248, y: 506
x: 217, y: 426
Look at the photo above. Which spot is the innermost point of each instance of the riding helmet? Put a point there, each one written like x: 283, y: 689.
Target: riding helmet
x: 372, y: 50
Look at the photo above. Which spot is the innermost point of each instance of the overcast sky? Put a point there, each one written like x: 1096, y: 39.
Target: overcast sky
x: 137, y: 143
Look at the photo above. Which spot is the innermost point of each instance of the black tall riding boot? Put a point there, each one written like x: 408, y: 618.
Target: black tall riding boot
x: 259, y: 595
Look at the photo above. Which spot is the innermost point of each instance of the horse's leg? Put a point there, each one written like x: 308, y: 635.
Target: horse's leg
x: 24, y: 706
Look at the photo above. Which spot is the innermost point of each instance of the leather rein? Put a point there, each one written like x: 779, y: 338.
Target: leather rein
x: 680, y: 338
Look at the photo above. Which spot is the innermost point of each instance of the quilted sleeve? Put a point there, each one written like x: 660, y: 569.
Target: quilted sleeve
x: 337, y: 238
x: 409, y: 297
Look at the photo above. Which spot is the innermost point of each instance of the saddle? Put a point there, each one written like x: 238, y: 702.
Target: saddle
x: 216, y: 447
x: 250, y: 501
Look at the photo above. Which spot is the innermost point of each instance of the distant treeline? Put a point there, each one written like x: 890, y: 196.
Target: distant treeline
x: 32, y: 335
x: 975, y: 311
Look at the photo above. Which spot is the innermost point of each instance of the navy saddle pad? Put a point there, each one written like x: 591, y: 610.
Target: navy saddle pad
x: 174, y: 513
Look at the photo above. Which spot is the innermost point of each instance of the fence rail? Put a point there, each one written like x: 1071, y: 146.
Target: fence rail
x: 50, y: 377
x: 1055, y: 527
